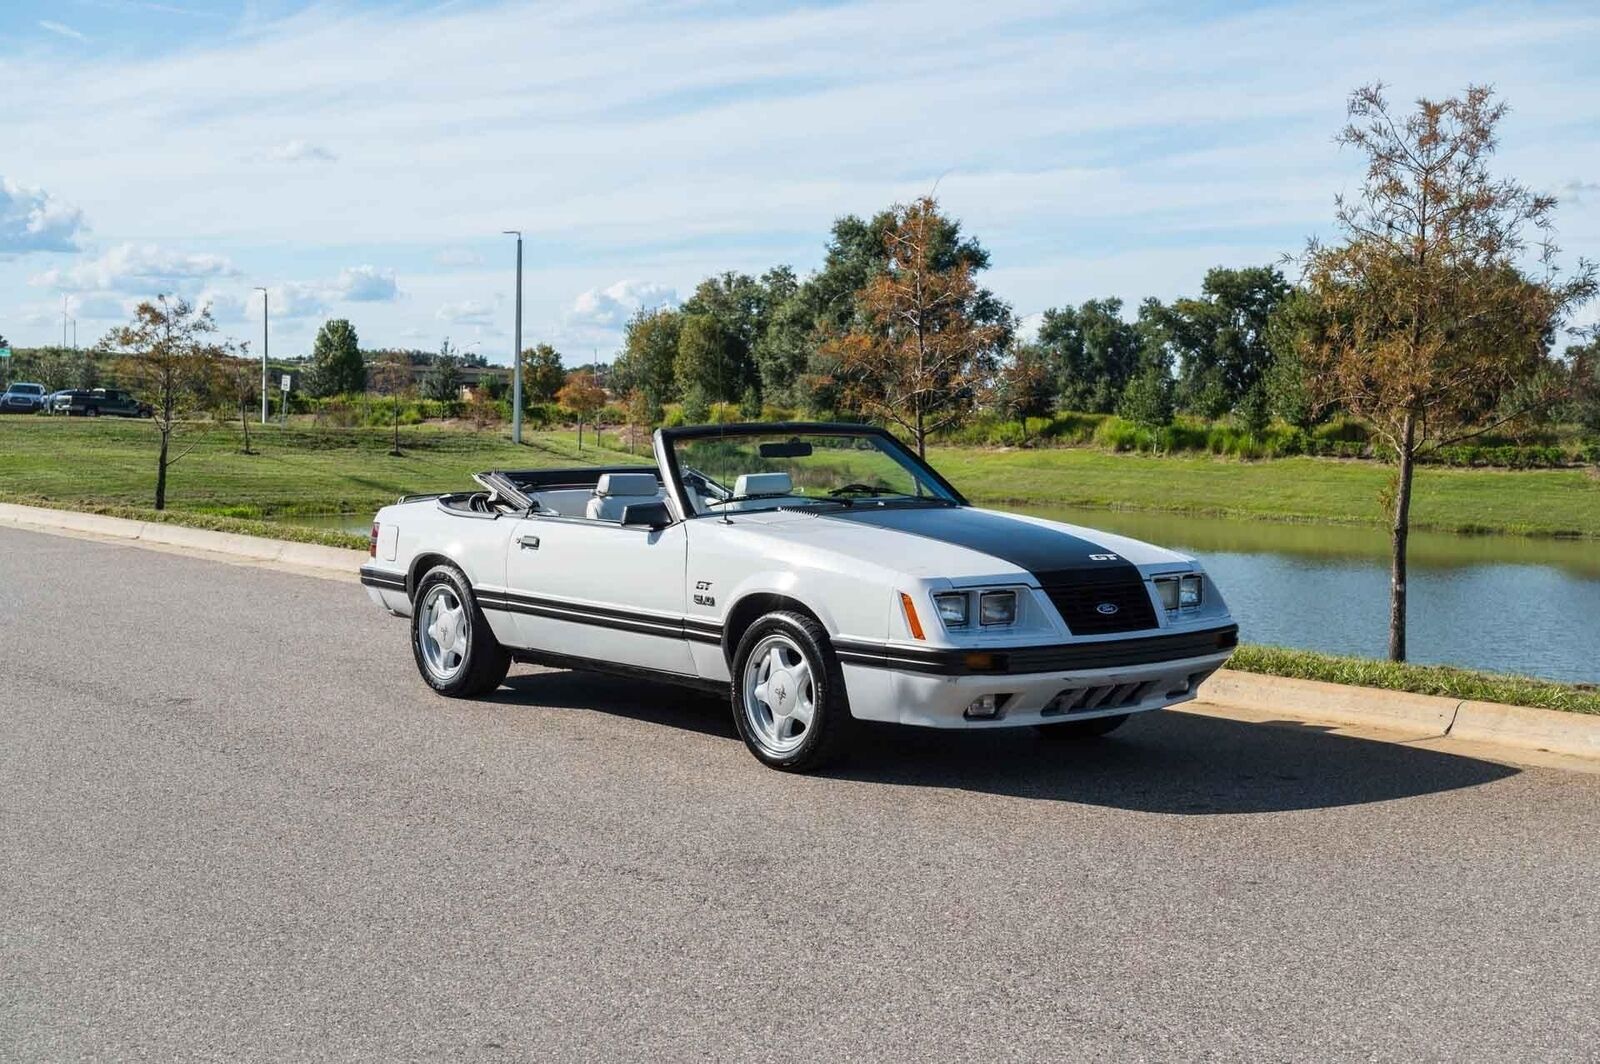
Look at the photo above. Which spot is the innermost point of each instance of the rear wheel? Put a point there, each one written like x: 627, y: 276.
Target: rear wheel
x: 788, y: 693
x: 1078, y: 730
x: 93, y: 411
x: 456, y: 651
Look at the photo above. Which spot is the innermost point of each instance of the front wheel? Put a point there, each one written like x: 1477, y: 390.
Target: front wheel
x: 456, y: 651
x: 1078, y: 730
x: 788, y: 693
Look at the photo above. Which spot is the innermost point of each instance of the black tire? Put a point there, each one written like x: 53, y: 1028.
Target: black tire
x: 1079, y: 730
x: 826, y: 735
x: 93, y: 411
x: 484, y: 664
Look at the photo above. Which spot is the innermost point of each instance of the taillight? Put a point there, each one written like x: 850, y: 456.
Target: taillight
x: 372, y: 544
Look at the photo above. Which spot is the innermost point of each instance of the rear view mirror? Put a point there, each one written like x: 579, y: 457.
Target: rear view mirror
x: 786, y: 449
x: 650, y: 515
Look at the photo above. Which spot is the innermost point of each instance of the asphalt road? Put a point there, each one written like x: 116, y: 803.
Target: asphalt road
x: 236, y: 826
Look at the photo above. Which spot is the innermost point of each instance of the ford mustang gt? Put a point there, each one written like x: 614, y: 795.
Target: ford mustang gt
x: 818, y: 573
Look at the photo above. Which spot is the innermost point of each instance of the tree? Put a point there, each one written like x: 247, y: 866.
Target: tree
x: 237, y: 378
x: 704, y: 360
x: 542, y: 374
x: 444, y: 381
x: 1428, y: 322
x: 583, y: 396
x: 1147, y: 399
x: 920, y: 355
x: 1092, y: 353
x: 1024, y: 386
x: 336, y: 366
x: 643, y: 413
x: 171, y: 361
x: 1221, y: 338
x: 391, y: 376
x: 649, y: 352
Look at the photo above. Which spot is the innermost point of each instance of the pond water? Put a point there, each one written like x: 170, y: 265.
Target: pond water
x: 1500, y: 603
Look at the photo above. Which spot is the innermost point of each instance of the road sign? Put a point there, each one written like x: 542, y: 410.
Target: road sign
x: 5, y: 352
x: 283, y: 383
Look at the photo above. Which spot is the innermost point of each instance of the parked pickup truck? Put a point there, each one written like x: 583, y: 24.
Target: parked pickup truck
x: 817, y: 573
x: 109, y: 402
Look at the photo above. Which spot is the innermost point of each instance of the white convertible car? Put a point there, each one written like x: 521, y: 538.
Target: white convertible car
x: 820, y: 573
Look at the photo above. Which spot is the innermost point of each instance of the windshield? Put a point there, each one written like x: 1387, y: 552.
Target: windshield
x: 744, y: 472
x: 28, y: 389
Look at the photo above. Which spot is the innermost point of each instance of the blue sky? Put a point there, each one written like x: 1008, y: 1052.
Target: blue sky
x: 360, y: 159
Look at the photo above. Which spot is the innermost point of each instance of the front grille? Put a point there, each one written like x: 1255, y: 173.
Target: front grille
x: 1078, y: 594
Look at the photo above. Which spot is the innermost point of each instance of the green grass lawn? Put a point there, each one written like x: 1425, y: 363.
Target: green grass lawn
x: 299, y: 470
x: 1532, y: 502
x: 304, y: 470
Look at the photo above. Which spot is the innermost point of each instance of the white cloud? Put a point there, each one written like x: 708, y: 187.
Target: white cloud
x: 33, y: 220
x: 467, y: 312
x: 299, y: 151
x: 61, y: 30
x: 458, y: 257
x: 1093, y: 152
x: 610, y: 308
x: 138, y: 269
x: 1578, y: 192
x: 365, y: 284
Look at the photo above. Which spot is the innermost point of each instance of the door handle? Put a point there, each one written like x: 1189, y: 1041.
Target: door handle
x: 529, y: 542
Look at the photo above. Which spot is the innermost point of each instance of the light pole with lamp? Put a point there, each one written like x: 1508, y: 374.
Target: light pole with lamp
x: 263, y: 292
x: 516, y: 348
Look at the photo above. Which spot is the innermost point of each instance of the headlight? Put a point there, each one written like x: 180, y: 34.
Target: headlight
x: 1179, y: 592
x: 1167, y: 589
x: 952, y: 606
x: 997, y: 607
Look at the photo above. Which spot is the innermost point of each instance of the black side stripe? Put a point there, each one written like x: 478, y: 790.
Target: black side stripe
x: 691, y: 628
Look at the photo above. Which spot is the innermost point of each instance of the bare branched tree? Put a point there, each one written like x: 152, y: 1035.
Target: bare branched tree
x: 1437, y: 310
x: 171, y: 360
x: 390, y: 375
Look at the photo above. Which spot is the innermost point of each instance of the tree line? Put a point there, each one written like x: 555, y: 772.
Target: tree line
x: 1436, y: 314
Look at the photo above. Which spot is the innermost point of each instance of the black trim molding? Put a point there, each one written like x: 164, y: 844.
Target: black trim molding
x: 1059, y: 657
x: 378, y: 578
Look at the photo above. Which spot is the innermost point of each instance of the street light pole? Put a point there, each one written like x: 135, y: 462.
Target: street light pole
x: 516, y: 350
x: 263, y: 292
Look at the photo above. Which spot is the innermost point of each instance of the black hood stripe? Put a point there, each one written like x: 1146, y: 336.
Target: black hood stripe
x: 1028, y: 546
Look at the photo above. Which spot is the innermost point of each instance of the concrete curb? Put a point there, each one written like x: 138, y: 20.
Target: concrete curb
x: 1418, y: 716
x: 310, y: 558
x: 1422, y: 716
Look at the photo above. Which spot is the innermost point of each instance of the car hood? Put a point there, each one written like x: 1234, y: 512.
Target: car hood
x: 960, y: 542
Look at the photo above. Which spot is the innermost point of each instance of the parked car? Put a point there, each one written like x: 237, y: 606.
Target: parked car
x: 61, y: 402
x: 109, y: 402
x: 20, y: 397
x: 817, y: 574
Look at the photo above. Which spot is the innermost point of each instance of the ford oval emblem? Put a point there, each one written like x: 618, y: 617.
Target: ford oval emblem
x: 1107, y: 608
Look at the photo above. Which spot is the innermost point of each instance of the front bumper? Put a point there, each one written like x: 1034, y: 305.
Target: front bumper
x: 934, y: 687
x: 1041, y: 698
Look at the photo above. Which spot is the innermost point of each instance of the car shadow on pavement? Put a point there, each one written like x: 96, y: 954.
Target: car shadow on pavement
x: 1171, y: 762
x: 662, y: 704
x: 1164, y: 762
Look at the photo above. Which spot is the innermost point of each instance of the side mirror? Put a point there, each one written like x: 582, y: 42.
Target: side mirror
x: 650, y: 515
